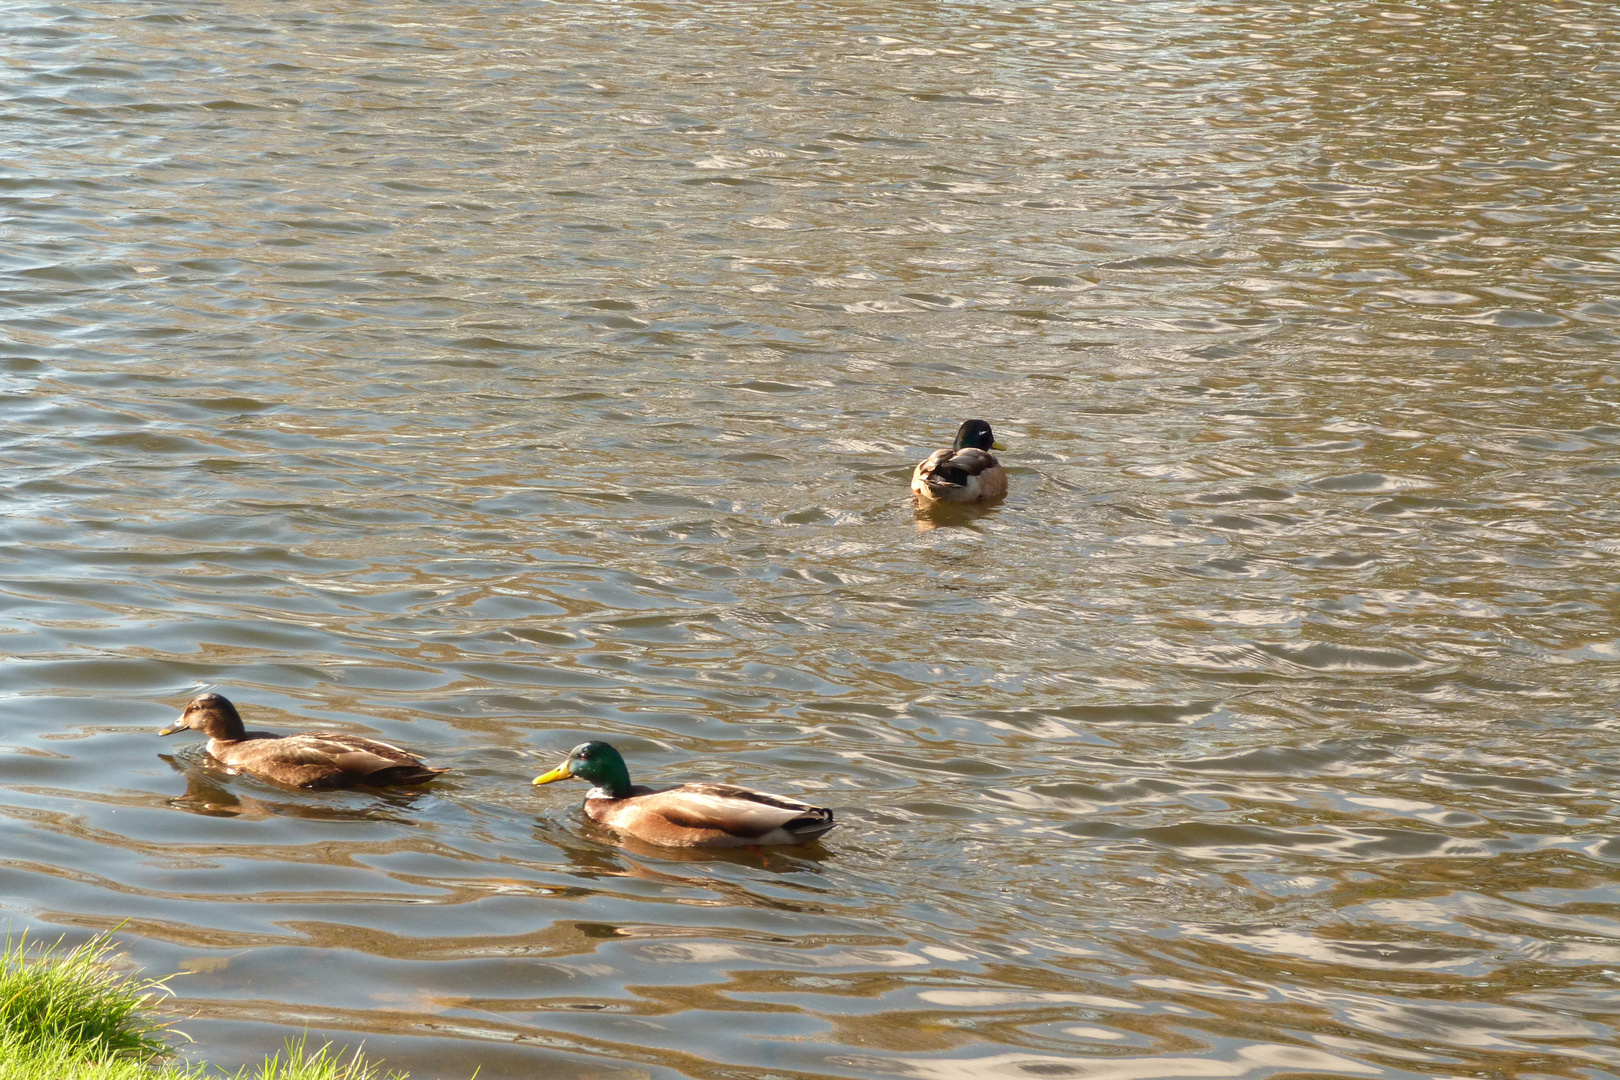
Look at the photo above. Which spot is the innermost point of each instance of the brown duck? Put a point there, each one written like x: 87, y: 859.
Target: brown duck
x: 965, y: 472
x: 690, y: 815
x: 309, y: 759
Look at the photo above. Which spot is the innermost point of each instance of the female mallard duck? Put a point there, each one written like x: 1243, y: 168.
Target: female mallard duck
x: 965, y: 473
x: 309, y: 759
x: 691, y: 815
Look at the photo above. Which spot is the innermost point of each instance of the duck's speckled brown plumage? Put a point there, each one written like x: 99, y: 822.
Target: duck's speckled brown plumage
x: 307, y: 759
x: 690, y: 815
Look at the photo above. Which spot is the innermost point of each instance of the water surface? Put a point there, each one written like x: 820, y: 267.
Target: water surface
x: 490, y: 377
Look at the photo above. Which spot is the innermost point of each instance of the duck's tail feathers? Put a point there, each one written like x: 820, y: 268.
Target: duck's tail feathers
x: 811, y: 824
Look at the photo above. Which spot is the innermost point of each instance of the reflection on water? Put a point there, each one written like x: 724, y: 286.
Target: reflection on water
x: 212, y: 789
x: 517, y: 376
x: 947, y: 515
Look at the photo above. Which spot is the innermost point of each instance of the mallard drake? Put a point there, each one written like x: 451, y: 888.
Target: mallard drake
x: 691, y: 815
x: 309, y: 759
x: 965, y: 473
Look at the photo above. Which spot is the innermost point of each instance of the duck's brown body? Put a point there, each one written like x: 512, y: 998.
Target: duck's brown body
x: 959, y: 476
x: 709, y: 815
x: 307, y: 759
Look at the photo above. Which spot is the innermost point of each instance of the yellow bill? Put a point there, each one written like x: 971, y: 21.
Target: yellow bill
x: 559, y: 773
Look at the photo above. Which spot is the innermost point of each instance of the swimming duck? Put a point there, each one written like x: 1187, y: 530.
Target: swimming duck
x: 691, y: 815
x: 967, y: 472
x: 309, y: 759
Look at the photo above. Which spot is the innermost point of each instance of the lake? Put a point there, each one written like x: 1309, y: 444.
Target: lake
x: 490, y: 377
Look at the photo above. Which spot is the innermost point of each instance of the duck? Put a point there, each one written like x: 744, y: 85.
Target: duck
x: 966, y: 472
x: 700, y: 815
x: 308, y: 759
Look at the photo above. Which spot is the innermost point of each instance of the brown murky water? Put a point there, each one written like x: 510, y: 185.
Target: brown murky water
x: 486, y: 377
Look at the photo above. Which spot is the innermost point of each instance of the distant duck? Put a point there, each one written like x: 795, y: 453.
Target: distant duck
x: 309, y: 759
x: 965, y: 473
x: 691, y: 815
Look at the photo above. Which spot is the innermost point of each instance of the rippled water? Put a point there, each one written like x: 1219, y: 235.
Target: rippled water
x: 486, y: 377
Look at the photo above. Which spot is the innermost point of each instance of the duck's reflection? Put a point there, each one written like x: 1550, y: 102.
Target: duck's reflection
x: 206, y: 794
x: 597, y: 851
x: 942, y: 515
x: 759, y: 858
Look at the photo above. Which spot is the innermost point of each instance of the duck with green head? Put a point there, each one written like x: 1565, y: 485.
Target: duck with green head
x: 966, y: 472
x: 690, y: 815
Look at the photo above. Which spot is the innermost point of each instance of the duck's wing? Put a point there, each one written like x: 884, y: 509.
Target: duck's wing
x: 349, y: 754
x: 968, y: 461
x: 954, y: 472
x: 740, y: 811
x: 925, y: 480
x: 933, y: 461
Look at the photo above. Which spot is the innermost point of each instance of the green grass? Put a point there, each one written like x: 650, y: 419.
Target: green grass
x: 75, y: 1000
x: 67, y: 1015
x: 324, y: 1063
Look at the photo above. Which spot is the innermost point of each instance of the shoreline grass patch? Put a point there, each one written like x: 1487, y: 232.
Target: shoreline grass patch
x: 74, y: 1000
x: 67, y: 1013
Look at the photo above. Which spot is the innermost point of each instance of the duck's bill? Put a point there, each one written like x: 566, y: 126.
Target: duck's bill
x: 997, y: 446
x: 178, y: 725
x: 559, y: 773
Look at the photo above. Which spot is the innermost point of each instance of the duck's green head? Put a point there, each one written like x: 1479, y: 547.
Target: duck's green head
x: 594, y: 761
x: 976, y: 433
